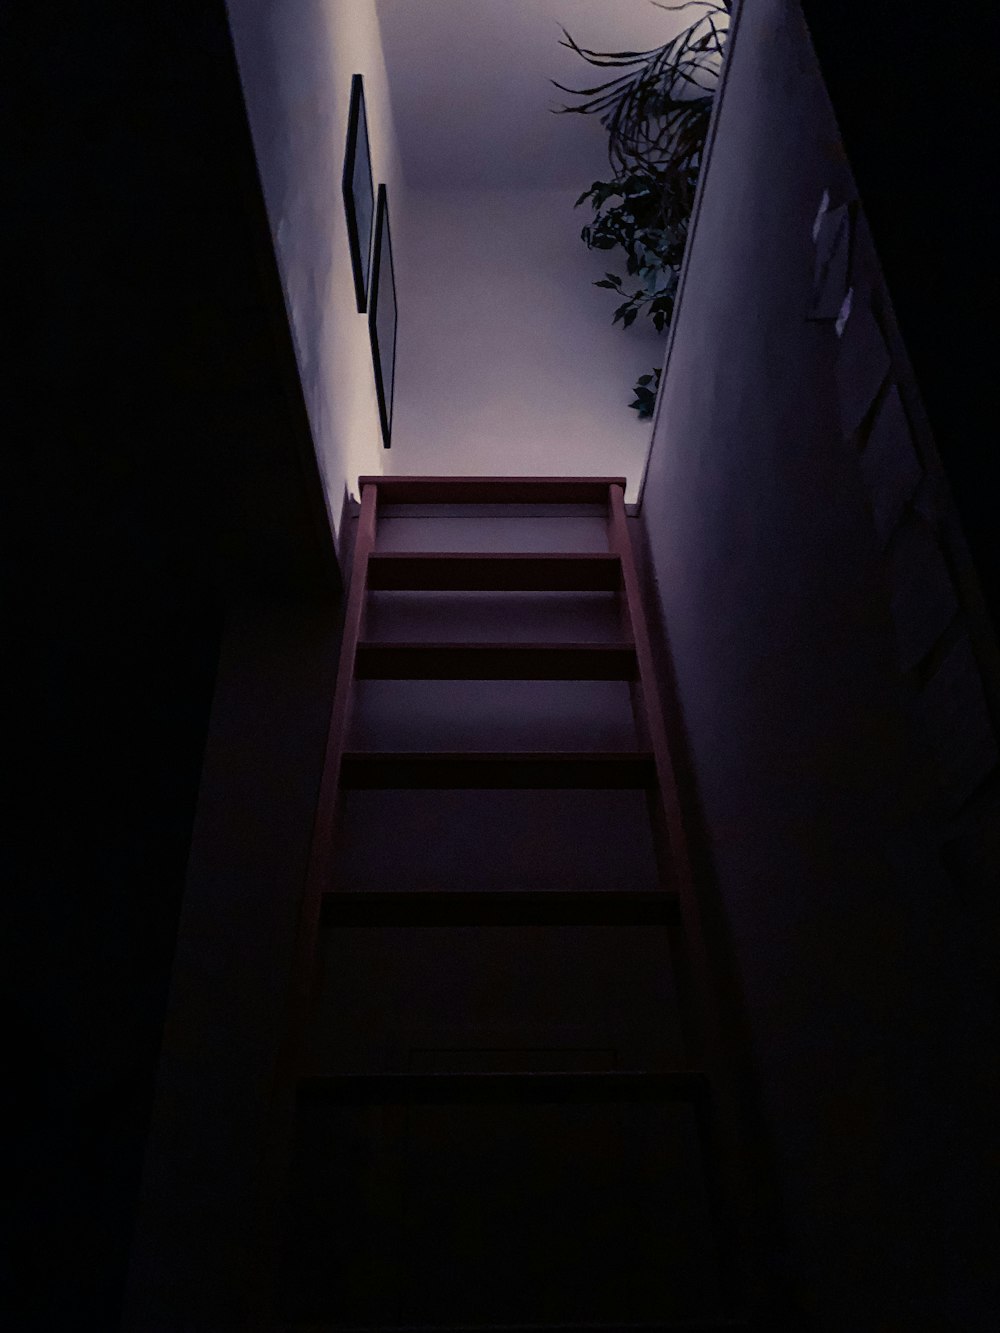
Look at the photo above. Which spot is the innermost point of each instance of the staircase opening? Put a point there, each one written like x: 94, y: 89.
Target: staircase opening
x: 505, y: 1100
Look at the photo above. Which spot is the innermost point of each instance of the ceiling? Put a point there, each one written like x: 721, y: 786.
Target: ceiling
x: 471, y: 94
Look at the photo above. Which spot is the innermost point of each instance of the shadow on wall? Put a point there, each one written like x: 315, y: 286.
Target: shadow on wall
x: 835, y: 674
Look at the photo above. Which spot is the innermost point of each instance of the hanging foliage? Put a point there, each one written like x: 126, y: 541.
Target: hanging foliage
x: 656, y: 112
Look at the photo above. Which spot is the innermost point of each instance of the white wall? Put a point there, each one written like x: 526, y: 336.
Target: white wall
x: 296, y: 60
x: 803, y: 564
x: 471, y: 85
x: 508, y: 362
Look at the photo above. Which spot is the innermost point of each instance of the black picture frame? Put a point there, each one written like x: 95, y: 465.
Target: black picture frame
x: 359, y: 192
x: 383, y: 316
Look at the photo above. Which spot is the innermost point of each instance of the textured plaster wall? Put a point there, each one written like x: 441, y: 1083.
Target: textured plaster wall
x: 836, y: 701
x: 296, y: 60
x: 508, y: 361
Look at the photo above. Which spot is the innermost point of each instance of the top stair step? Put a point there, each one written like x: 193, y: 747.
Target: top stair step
x: 487, y: 572
x: 708, y: 1325
x: 492, y: 490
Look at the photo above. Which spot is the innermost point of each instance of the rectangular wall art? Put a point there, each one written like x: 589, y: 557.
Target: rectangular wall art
x: 382, y: 316
x: 359, y: 192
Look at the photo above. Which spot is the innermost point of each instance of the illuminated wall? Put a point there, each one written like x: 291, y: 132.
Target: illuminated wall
x: 296, y: 62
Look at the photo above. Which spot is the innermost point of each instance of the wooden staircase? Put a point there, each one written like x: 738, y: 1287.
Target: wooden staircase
x: 394, y: 1103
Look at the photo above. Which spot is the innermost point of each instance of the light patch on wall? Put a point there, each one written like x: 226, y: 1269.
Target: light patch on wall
x: 296, y: 63
x: 508, y: 361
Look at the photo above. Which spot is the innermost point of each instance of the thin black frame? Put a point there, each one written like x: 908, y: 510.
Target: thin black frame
x: 357, y: 143
x: 381, y: 270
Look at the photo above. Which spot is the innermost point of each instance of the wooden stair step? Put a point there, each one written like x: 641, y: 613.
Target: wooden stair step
x: 368, y: 770
x: 542, y: 1088
x: 503, y: 908
x: 492, y: 490
x: 470, y: 571
x: 495, y: 661
x: 619, y: 1326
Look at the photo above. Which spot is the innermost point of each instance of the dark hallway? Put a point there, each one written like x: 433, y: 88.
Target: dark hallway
x: 174, y: 627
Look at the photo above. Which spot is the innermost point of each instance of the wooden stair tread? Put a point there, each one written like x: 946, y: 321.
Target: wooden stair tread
x: 504, y: 907
x: 470, y: 571
x: 472, y: 1089
x: 492, y: 490
x: 626, y: 1326
x: 515, y: 769
x: 495, y: 661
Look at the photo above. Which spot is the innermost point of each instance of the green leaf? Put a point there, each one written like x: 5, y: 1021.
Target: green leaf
x: 655, y: 107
